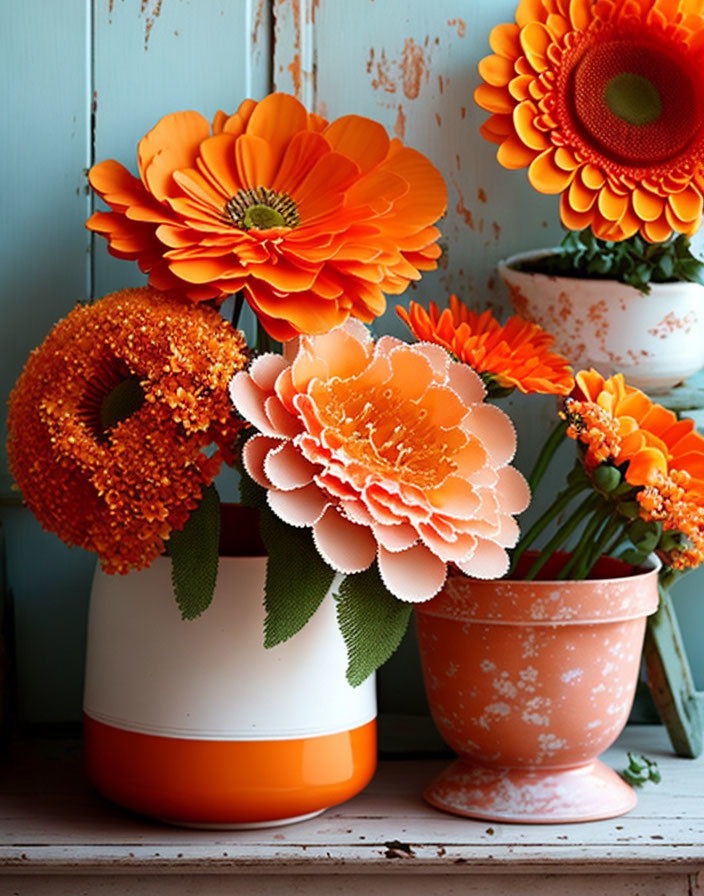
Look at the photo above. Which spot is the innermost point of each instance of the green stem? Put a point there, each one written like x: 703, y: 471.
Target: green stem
x: 619, y: 537
x: 547, y: 453
x: 558, y: 505
x: 572, y: 567
x: 594, y: 544
x: 562, y: 534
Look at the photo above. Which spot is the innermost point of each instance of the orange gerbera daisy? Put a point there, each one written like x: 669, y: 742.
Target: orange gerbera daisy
x: 111, y: 419
x: 516, y: 355
x: 313, y: 221
x: 604, y: 103
x: 645, y: 435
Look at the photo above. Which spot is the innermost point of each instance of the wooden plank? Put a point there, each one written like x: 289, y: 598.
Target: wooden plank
x: 671, y: 681
x: 172, y: 56
x: 404, y: 881
x: 51, y: 821
x: 45, y: 123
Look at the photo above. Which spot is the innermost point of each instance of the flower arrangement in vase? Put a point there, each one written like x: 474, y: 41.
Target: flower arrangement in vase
x: 122, y: 419
x: 601, y: 102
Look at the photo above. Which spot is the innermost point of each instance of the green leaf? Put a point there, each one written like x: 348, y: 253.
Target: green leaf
x: 372, y: 621
x: 297, y: 577
x: 194, y: 556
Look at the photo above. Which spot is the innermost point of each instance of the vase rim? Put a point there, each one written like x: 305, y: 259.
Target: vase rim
x: 548, y: 601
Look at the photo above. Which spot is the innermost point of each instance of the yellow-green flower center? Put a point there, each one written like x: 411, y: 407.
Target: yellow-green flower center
x: 260, y: 208
x: 633, y: 98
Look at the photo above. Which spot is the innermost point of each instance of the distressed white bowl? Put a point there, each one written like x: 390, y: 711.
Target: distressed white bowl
x: 655, y: 340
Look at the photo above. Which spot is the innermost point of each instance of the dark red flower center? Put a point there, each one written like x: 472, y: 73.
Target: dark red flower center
x: 637, y: 100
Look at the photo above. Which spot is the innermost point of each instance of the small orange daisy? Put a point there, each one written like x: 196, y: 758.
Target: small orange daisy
x: 314, y: 222
x: 649, y: 437
x: 517, y: 355
x: 603, y: 102
x: 112, y: 421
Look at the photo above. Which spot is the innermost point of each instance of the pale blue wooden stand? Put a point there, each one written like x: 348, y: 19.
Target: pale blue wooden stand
x: 680, y: 705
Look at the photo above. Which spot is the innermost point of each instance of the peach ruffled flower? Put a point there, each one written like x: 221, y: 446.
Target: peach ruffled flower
x: 388, y: 452
x: 111, y: 422
x: 603, y: 102
x: 516, y: 355
x: 313, y: 221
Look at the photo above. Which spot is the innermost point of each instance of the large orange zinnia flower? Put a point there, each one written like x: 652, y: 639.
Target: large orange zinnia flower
x: 639, y: 432
x: 517, y: 355
x: 388, y: 452
x: 112, y: 420
x: 604, y: 102
x: 314, y: 221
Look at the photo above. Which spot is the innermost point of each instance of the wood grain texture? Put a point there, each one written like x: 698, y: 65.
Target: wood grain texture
x: 51, y: 823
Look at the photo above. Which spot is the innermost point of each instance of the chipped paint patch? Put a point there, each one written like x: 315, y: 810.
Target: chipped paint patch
x: 460, y: 24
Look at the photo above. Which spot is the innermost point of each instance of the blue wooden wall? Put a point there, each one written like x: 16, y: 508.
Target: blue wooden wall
x: 83, y: 80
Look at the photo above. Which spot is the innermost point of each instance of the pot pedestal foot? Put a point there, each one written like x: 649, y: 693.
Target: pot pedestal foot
x: 531, y: 796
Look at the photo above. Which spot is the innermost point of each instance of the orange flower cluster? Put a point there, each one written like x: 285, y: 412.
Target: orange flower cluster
x: 519, y: 354
x: 663, y: 456
x: 603, y: 102
x: 671, y: 502
x: 111, y: 418
x: 313, y: 221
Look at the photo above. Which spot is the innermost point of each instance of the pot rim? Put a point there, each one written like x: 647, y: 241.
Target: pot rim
x: 507, y: 264
x: 520, y: 605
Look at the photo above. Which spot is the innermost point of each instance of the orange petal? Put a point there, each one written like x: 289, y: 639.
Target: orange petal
x: 687, y: 205
x: 546, y: 176
x: 592, y: 176
x: 504, y: 40
x: 529, y: 11
x: 644, y: 466
x: 496, y: 70
x: 611, y: 205
x: 492, y: 427
x: 493, y: 99
x: 301, y: 154
x: 524, y: 121
x: 647, y: 205
x: 514, y: 154
x: 535, y: 41
x: 255, y: 162
x: 360, y: 139
x: 179, y: 134
x: 581, y: 14
x: 217, y: 163
x: 657, y: 231
x: 276, y: 119
x: 581, y: 198
x: 496, y: 128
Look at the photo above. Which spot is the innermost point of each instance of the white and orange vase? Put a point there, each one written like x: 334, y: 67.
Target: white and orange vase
x: 196, y: 723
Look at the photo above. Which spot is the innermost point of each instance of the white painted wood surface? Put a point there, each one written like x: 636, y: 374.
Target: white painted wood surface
x: 58, y: 837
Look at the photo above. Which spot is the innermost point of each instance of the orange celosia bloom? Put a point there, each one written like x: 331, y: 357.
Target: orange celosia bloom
x: 519, y: 354
x: 314, y: 221
x: 119, y: 484
x: 389, y: 452
x: 604, y: 103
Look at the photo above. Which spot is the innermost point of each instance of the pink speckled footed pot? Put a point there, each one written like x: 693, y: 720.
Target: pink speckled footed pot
x: 529, y: 682
x: 654, y: 340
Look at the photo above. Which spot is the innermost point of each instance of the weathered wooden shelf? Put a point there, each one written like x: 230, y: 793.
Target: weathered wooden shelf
x: 58, y: 837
